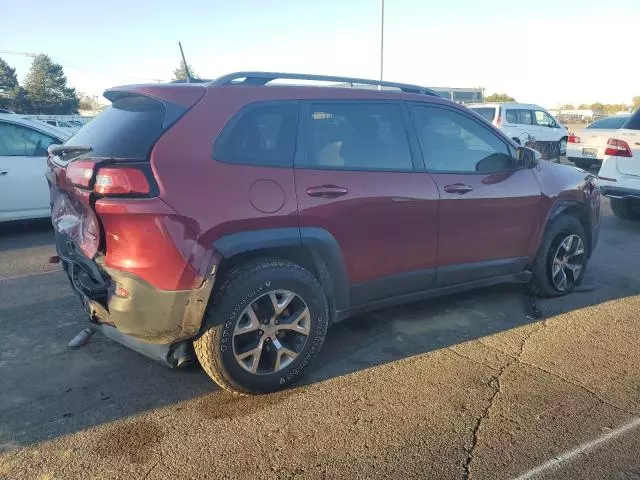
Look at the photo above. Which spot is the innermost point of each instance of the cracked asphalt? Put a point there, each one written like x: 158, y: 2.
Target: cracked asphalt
x: 465, y: 386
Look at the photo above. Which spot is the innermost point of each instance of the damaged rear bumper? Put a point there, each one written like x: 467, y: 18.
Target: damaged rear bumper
x: 130, y: 305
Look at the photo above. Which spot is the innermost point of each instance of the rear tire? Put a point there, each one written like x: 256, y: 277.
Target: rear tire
x: 273, y: 308
x: 625, y: 209
x: 562, y: 255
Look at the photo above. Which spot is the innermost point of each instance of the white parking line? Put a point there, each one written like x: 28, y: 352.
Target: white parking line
x: 584, y: 448
x: 30, y: 274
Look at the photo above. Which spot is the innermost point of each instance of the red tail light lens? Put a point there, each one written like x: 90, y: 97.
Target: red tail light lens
x: 80, y: 172
x: 121, y: 181
x: 573, y: 139
x: 618, y: 148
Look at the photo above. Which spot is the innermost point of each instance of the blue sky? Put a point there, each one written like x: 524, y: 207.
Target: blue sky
x: 541, y: 51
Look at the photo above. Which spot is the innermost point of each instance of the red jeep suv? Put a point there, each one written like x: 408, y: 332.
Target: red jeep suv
x: 243, y: 217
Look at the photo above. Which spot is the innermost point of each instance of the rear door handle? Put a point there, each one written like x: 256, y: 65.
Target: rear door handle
x: 4, y: 172
x: 327, y: 191
x: 459, y: 188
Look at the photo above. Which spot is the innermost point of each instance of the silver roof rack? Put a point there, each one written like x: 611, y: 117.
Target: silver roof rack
x: 262, y: 78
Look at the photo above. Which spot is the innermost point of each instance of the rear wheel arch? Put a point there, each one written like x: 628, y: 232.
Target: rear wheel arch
x: 314, y: 249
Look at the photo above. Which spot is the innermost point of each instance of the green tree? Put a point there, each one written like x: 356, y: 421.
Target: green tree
x: 180, y: 73
x: 584, y: 106
x: 47, y: 90
x: 12, y: 95
x: 597, y: 107
x: 636, y: 103
x: 499, y: 97
x: 8, y: 78
x: 567, y: 106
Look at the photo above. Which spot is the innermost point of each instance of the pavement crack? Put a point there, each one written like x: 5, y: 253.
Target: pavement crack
x: 471, y: 359
x: 579, y: 385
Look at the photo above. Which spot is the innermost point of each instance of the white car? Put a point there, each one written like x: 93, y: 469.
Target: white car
x: 24, y: 193
x: 524, y: 122
x: 619, y: 176
x: 586, y: 147
x: 61, y: 124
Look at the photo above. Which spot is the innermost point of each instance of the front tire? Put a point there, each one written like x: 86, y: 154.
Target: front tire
x: 265, y: 325
x: 562, y: 146
x: 623, y: 209
x: 562, y: 258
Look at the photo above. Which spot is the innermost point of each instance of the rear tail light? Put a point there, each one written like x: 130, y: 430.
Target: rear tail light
x: 80, y: 172
x: 618, y: 148
x: 498, y: 121
x: 121, y: 181
x: 573, y: 139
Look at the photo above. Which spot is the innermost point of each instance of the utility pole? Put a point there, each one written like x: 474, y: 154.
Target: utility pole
x: 381, y: 42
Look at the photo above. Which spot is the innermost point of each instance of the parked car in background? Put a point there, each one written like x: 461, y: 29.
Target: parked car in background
x: 586, y: 146
x: 295, y: 208
x: 24, y: 193
x: 61, y: 124
x: 619, y: 175
x: 523, y: 122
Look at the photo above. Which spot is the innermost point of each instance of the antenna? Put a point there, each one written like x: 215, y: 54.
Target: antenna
x: 186, y: 67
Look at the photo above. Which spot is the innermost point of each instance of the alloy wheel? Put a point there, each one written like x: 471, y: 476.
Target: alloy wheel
x: 567, y: 262
x: 271, y: 332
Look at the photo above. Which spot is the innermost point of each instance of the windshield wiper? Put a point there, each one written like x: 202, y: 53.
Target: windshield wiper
x: 64, y: 149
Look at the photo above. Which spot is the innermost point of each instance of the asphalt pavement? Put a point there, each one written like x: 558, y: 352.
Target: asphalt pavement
x: 465, y: 386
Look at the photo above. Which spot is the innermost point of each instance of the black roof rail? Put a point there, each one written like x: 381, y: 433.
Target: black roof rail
x: 262, y: 78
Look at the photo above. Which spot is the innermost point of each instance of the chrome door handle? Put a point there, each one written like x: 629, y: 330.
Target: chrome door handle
x: 459, y: 188
x: 327, y: 191
x: 4, y: 172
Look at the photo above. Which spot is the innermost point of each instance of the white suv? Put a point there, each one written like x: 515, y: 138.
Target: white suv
x: 619, y: 176
x: 525, y: 122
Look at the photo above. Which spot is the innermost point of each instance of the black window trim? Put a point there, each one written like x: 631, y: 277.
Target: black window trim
x: 488, y: 128
x: 29, y: 127
x: 229, y: 126
x: 301, y: 158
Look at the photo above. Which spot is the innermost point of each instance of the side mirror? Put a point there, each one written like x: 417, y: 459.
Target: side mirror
x: 528, y: 157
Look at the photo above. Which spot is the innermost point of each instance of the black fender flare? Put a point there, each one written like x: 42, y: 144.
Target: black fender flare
x: 563, y: 205
x: 323, y: 246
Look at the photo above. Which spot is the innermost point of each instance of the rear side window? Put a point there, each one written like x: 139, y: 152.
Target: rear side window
x: 126, y: 129
x: 634, y: 122
x: 489, y: 113
x: 357, y: 136
x: 511, y: 116
x: 262, y: 135
x: 525, y: 117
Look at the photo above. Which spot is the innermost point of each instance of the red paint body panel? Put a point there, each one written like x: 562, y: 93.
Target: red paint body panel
x: 495, y: 220
x: 385, y: 224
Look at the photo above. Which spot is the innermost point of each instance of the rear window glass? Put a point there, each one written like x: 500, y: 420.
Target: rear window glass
x: 634, y: 122
x: 264, y: 135
x: 126, y: 129
x: 609, y: 122
x: 488, y: 113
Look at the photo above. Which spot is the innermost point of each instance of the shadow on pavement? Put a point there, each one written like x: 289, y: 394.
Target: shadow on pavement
x: 48, y: 391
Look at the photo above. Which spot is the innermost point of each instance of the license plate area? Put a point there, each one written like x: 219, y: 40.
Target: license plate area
x: 589, y: 152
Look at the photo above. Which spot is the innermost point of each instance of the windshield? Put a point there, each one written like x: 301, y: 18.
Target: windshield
x: 489, y: 113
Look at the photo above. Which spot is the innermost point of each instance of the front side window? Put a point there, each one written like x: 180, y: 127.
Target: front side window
x: 21, y: 141
x: 357, y: 136
x: 543, y: 119
x: 452, y: 142
x: 263, y: 135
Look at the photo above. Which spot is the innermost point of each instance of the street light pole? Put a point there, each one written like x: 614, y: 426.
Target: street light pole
x: 381, y: 42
